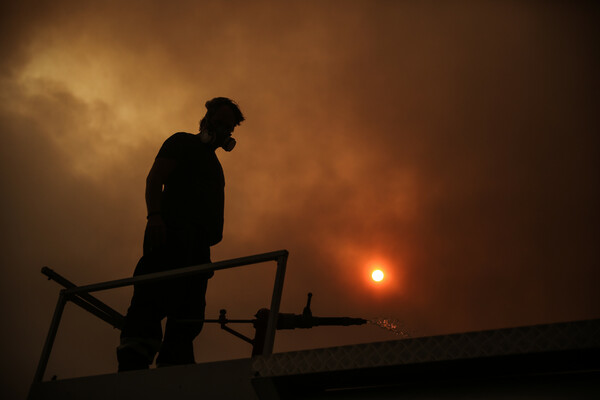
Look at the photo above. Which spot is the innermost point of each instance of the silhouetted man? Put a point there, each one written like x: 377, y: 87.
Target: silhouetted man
x: 185, y: 201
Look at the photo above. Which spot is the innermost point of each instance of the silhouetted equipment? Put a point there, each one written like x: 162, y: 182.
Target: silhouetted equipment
x: 294, y: 321
x: 306, y: 319
x: 266, y: 321
x: 80, y: 295
x: 284, y: 321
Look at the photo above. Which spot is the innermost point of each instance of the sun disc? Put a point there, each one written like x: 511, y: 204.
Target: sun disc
x: 377, y: 275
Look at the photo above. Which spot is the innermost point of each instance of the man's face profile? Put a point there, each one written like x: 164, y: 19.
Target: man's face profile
x: 220, y: 125
x: 223, y: 121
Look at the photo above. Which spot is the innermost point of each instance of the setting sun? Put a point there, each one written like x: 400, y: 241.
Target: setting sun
x: 377, y: 275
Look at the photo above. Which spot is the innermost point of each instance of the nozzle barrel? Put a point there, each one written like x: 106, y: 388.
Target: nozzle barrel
x: 293, y: 321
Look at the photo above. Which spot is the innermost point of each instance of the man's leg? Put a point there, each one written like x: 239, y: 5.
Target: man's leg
x: 185, y: 298
x: 142, y: 332
x: 177, y: 347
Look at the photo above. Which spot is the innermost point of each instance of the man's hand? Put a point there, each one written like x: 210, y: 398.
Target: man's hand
x: 156, y: 232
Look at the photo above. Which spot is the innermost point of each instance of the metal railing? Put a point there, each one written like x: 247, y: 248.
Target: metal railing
x: 80, y: 295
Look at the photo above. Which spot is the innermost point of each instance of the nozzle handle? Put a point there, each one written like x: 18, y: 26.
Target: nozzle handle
x: 307, y: 312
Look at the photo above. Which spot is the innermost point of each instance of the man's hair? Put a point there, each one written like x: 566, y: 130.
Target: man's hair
x: 216, y: 103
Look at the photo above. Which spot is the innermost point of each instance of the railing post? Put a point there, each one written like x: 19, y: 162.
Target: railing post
x: 60, y: 306
x: 275, y: 302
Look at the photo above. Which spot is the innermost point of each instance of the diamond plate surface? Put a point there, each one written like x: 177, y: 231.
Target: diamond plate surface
x: 522, y: 340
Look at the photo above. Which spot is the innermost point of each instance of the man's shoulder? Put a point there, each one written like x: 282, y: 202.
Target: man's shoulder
x: 180, y: 139
x: 175, y: 144
x: 181, y: 136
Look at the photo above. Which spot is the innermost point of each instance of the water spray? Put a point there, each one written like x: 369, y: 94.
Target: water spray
x: 392, y: 325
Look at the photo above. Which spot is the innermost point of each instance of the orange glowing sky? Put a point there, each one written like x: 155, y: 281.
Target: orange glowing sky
x: 455, y: 144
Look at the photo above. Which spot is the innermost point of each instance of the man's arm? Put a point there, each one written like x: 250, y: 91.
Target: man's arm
x: 160, y: 171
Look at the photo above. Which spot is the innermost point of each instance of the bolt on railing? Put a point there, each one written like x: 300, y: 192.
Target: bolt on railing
x: 80, y: 296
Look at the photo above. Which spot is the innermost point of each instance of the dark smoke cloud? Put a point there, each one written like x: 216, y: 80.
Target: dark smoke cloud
x: 454, y: 144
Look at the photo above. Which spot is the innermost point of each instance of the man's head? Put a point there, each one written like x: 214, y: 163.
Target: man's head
x: 222, y: 116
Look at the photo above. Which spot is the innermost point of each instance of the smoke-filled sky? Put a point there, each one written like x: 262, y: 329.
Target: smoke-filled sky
x: 453, y: 144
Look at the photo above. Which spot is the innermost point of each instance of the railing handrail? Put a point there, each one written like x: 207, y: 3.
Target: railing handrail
x: 179, y: 272
x: 79, y: 295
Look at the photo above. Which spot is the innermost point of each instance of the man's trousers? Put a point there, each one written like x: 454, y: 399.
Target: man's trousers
x: 182, y: 301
